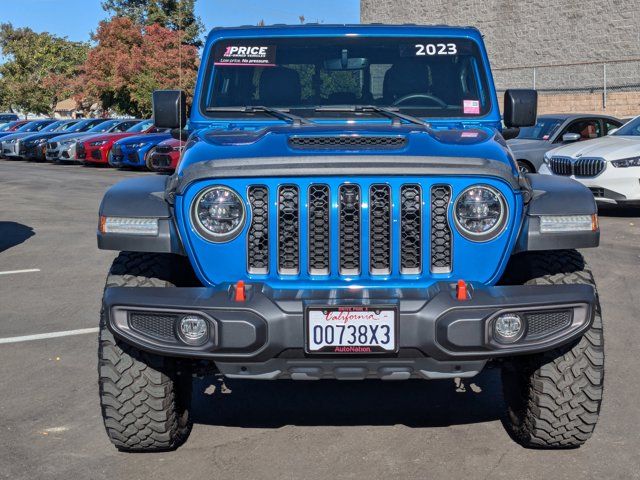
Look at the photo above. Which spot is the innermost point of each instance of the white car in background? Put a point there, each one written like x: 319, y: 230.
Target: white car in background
x: 609, y: 166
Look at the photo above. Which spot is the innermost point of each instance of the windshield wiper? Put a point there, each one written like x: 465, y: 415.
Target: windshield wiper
x: 274, y: 112
x: 394, y: 115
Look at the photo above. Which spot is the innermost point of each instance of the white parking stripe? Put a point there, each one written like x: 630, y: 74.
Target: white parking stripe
x: 42, y: 336
x: 28, y: 270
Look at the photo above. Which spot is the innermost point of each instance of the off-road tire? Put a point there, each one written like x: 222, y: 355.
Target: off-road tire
x: 553, y: 399
x: 145, y: 398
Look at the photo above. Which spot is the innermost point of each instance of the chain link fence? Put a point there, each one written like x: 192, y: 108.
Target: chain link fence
x: 611, y: 87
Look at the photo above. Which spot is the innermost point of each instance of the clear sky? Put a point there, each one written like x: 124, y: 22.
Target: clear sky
x: 76, y: 19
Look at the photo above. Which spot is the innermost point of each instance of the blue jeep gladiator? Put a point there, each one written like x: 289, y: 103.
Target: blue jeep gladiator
x: 347, y: 208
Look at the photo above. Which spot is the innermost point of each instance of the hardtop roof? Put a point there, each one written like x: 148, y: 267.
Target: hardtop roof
x: 341, y: 29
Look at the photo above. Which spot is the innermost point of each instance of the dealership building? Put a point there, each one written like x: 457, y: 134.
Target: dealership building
x: 580, y: 56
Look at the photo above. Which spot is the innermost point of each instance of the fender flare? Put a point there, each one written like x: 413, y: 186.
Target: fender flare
x: 140, y: 198
x: 554, y: 195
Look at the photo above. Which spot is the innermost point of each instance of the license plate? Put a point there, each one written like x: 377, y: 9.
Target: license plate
x: 351, y: 329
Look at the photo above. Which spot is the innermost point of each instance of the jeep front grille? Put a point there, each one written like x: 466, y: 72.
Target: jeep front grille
x: 380, y: 229
x: 440, y: 229
x: 362, y: 220
x: 319, y: 205
x: 288, y: 230
x: 410, y: 229
x: 350, y: 229
x: 582, y: 167
x: 258, y: 235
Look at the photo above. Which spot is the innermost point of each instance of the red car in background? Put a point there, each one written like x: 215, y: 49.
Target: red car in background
x: 9, y: 127
x: 165, y: 156
x: 95, y: 150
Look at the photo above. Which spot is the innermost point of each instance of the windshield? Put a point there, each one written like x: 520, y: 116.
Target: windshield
x: 631, y: 128
x: 33, y: 126
x: 431, y: 77
x: 52, y: 127
x: 542, y: 130
x: 141, y: 127
x: 66, y: 126
x: 8, y: 126
x: 103, y: 127
x: 81, y: 126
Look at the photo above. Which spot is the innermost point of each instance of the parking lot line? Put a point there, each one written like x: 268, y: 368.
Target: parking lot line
x: 42, y: 336
x: 28, y: 270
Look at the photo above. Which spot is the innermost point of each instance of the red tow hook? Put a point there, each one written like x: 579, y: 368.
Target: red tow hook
x: 241, y: 294
x: 461, y: 290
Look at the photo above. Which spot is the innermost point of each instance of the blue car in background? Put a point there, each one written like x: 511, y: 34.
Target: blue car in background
x: 133, y: 151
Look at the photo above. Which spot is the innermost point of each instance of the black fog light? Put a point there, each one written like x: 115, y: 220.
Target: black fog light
x: 508, y: 328
x: 193, y: 330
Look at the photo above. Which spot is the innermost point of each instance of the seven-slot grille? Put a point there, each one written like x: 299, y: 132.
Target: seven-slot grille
x: 365, y: 229
x: 582, y: 167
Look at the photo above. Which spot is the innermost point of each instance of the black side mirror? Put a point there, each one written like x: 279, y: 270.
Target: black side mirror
x: 169, y: 109
x: 520, y: 108
x: 509, y: 133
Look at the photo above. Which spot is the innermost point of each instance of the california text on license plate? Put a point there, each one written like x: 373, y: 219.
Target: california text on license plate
x: 351, y: 329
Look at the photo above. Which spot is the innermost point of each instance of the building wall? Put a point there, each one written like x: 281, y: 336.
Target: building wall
x: 567, y: 41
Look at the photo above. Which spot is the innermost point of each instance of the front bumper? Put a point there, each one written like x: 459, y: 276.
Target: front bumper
x: 12, y: 150
x: 125, y: 157
x: 164, y: 162
x: 64, y: 153
x: 263, y: 336
x: 36, y: 152
x: 95, y: 155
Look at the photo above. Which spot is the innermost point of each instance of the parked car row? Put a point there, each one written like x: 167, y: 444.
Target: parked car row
x: 599, y: 151
x: 118, y: 143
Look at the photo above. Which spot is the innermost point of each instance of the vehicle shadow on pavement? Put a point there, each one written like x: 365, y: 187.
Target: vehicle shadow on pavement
x: 618, y: 211
x: 413, y: 403
x: 13, y: 233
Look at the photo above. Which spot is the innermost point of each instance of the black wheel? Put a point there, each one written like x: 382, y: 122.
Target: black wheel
x: 525, y: 167
x: 145, y: 398
x: 553, y: 399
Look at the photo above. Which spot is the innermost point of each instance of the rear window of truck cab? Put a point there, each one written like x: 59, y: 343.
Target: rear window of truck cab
x: 430, y: 77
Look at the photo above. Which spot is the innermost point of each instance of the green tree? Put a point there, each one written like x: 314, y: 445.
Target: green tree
x: 172, y: 14
x: 33, y: 60
x: 4, y: 97
x: 130, y: 61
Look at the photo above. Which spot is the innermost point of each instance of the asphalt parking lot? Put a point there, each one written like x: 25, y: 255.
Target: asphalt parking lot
x: 50, y: 423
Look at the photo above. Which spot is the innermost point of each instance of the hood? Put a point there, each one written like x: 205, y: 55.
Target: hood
x: 290, y: 140
x: 171, y: 142
x: 612, y: 147
x: 39, y: 136
x: 148, y: 137
x: 109, y: 137
x: 526, y: 143
x: 70, y: 136
x: 16, y: 136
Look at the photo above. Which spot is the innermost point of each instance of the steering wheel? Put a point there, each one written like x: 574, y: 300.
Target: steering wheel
x: 413, y: 96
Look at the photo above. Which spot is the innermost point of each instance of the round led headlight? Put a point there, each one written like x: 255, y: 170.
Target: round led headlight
x: 480, y: 213
x: 218, y: 214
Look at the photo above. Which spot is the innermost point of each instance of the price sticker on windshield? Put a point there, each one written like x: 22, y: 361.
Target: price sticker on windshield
x: 234, y: 55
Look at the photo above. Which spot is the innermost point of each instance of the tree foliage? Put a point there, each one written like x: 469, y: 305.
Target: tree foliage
x: 130, y: 61
x: 172, y: 14
x: 33, y: 61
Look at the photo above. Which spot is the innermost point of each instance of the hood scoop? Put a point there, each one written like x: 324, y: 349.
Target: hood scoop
x: 347, y: 142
